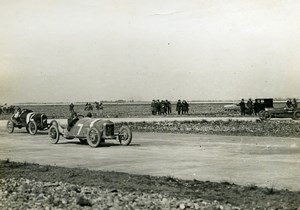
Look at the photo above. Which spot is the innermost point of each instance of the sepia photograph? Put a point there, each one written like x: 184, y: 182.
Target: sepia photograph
x: 139, y: 104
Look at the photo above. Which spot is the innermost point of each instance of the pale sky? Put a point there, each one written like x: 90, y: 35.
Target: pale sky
x: 87, y: 50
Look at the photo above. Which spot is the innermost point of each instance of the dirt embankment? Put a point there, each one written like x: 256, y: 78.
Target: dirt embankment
x: 220, y: 127
x: 24, y: 185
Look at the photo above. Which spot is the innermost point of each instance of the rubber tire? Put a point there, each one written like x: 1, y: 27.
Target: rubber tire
x: 10, y: 126
x: 264, y: 115
x: 83, y: 141
x: 54, y: 123
x: 94, y: 137
x: 32, y: 127
x: 296, y: 115
x: 125, y: 135
x: 54, y: 134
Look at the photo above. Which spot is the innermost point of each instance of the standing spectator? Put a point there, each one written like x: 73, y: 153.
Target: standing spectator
x: 71, y: 107
x: 168, y: 107
x: 295, y: 104
x: 164, y: 109
x: 256, y: 107
x: 97, y: 106
x: 5, y: 108
x: 185, y: 107
x: 153, y: 107
x: 158, y: 107
x: 243, y: 107
x: 250, y: 106
x: 178, y: 107
x: 289, y: 104
x: 101, y: 107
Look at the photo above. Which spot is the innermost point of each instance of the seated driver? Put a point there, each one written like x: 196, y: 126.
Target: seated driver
x: 72, y: 120
x: 17, y: 115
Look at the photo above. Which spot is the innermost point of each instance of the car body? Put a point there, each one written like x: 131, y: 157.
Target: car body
x: 284, y: 112
x: 94, y: 131
x: 30, y: 120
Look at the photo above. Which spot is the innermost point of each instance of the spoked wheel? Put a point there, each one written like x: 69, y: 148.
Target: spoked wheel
x: 94, y: 137
x: 32, y: 127
x: 10, y: 126
x: 296, y: 115
x: 265, y: 115
x: 125, y: 135
x: 54, y: 134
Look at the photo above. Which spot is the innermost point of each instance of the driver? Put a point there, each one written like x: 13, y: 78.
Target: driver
x: 72, y: 120
x: 16, y: 116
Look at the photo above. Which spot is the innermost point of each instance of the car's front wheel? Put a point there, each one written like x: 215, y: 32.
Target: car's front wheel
x: 296, y: 115
x: 32, y: 127
x: 94, y: 137
x: 125, y: 135
x: 54, y: 134
x: 10, y: 126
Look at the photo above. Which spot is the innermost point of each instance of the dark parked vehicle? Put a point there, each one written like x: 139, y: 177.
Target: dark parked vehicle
x: 268, y: 111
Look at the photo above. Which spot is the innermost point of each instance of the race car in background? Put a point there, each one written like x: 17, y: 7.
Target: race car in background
x: 30, y: 120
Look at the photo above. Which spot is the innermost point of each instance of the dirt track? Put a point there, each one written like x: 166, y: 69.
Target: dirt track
x: 264, y: 161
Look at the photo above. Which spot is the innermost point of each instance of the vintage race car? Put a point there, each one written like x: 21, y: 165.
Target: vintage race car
x: 94, y: 131
x: 30, y: 120
x: 269, y: 113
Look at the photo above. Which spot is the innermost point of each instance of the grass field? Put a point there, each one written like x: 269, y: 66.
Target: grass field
x: 132, y: 110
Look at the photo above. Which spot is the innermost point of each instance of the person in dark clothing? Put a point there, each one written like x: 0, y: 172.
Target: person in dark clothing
x: 185, y: 107
x: 163, y: 108
x: 250, y: 106
x: 169, y: 110
x: 71, y: 107
x: 243, y: 107
x: 153, y: 107
x: 72, y: 120
x: 179, y: 107
x: 256, y: 107
x: 158, y: 107
x: 295, y: 104
x: 289, y: 104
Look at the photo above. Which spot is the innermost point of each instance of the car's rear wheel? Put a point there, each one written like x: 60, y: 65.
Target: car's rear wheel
x: 264, y: 115
x: 94, y: 137
x: 10, y: 126
x: 32, y: 127
x: 296, y: 115
x: 54, y: 134
x: 125, y: 135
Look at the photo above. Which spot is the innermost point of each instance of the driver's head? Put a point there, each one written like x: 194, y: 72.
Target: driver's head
x: 18, y: 109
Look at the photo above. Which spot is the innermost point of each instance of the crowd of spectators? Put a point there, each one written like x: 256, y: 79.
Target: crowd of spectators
x: 161, y: 107
x: 182, y: 107
x: 255, y: 107
x: 164, y: 107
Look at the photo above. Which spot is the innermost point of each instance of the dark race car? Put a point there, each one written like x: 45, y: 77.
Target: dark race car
x: 30, y: 120
x: 94, y: 131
